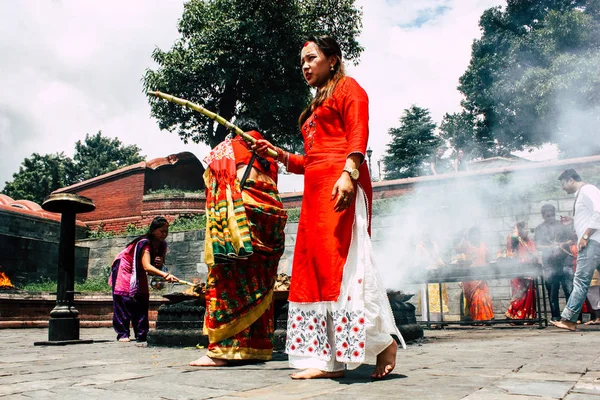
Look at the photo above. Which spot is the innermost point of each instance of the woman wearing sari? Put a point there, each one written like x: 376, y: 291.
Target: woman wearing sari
x: 521, y: 248
x: 243, y: 245
x: 477, y: 293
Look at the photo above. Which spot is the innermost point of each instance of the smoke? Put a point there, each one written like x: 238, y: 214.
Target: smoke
x: 445, y: 209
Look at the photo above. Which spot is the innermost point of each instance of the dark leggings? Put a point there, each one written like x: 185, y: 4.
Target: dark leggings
x: 132, y: 310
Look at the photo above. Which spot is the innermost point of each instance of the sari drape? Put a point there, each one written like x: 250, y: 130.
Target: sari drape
x: 244, y: 242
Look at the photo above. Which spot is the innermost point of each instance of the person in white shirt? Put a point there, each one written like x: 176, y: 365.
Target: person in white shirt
x: 586, y: 220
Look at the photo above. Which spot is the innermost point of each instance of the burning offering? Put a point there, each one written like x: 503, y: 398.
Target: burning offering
x: 5, y: 283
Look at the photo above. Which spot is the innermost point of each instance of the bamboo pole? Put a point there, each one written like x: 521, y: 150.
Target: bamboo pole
x: 211, y: 115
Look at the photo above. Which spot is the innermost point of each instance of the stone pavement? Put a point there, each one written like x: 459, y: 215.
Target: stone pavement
x: 462, y: 363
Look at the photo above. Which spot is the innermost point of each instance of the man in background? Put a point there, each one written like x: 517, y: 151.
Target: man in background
x: 554, y: 238
x: 586, y: 220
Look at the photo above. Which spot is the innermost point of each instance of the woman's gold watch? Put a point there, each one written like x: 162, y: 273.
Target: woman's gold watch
x: 354, y: 174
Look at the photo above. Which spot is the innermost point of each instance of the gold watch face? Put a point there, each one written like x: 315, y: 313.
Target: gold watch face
x: 352, y: 172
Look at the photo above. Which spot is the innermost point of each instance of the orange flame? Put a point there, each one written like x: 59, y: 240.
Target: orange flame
x: 195, y: 290
x: 4, y: 281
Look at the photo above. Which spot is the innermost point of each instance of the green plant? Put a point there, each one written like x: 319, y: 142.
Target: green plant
x: 99, y: 232
x: 166, y: 190
x: 293, y: 214
x: 188, y: 222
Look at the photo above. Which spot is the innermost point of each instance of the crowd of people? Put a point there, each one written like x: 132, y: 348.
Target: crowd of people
x: 339, y: 313
x: 566, y: 249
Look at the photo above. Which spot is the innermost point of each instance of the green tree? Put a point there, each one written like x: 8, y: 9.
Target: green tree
x: 98, y: 154
x: 413, y: 144
x: 39, y: 175
x: 459, y: 130
x: 533, y: 75
x: 241, y: 57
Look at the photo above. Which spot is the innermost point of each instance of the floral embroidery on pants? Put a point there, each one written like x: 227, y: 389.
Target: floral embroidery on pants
x: 307, y: 335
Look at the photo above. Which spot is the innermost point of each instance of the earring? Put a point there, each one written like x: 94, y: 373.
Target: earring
x: 331, y: 68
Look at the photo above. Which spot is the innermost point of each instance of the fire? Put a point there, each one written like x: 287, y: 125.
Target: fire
x: 195, y: 290
x: 4, y: 281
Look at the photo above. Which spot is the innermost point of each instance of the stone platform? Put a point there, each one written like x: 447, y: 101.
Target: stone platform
x: 462, y: 363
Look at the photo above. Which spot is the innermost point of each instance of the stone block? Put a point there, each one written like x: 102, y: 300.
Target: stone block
x: 566, y: 205
x: 178, y: 236
x: 179, y: 248
x: 290, y: 240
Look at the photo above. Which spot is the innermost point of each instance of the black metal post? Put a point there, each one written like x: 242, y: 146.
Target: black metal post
x: 63, y: 325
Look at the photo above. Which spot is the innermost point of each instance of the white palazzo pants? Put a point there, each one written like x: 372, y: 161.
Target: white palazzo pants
x: 331, y: 336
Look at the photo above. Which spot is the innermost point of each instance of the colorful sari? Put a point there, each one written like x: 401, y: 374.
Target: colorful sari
x: 477, y: 293
x: 428, y: 257
x: 523, y: 301
x: 244, y: 242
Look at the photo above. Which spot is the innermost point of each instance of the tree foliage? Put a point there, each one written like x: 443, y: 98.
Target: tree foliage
x: 241, y: 57
x: 412, y: 146
x: 533, y: 76
x: 99, y: 154
x: 40, y: 175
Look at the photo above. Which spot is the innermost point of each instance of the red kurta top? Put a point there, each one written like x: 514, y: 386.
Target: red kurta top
x: 336, y: 129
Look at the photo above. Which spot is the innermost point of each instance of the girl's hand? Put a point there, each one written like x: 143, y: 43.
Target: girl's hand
x: 344, y: 191
x: 262, y: 146
x: 159, y: 261
x: 171, y: 278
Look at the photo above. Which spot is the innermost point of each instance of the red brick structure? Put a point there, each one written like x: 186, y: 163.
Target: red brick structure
x: 121, y: 197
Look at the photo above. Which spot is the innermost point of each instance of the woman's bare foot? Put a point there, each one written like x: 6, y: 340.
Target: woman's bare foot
x: 207, y: 361
x: 313, y: 373
x: 386, y: 361
x: 593, y: 322
x: 124, y: 339
x: 571, y: 326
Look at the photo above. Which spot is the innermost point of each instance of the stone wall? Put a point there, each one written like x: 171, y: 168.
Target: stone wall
x: 29, y: 248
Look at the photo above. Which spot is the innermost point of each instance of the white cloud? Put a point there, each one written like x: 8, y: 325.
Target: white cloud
x: 74, y: 67
x: 405, y: 64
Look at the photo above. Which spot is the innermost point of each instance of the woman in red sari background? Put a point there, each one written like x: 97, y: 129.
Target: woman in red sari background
x: 477, y: 293
x: 521, y: 248
x: 244, y: 242
x: 339, y: 314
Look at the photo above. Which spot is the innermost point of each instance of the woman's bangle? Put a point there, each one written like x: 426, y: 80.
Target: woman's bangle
x: 165, y: 277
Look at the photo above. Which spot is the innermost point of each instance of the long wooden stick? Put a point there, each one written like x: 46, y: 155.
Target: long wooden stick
x: 209, y: 114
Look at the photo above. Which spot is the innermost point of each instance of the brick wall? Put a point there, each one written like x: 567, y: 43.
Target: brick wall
x: 118, y: 198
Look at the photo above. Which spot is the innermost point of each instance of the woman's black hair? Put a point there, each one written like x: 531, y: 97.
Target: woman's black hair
x: 157, y: 222
x: 248, y: 124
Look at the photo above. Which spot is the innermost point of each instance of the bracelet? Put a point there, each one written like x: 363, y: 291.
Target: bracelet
x: 283, y: 157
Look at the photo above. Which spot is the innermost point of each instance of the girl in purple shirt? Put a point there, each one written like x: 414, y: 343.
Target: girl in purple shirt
x: 144, y: 255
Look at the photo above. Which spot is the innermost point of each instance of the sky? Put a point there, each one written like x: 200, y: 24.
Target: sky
x: 71, y: 68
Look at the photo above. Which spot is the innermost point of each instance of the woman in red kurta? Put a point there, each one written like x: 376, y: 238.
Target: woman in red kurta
x: 520, y: 247
x: 477, y: 293
x: 339, y: 314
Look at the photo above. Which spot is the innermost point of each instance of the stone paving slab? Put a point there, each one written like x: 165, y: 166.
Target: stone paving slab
x: 463, y: 363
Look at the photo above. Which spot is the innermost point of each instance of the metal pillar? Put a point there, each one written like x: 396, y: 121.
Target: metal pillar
x: 63, y: 326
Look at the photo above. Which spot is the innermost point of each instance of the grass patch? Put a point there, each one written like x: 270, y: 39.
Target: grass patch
x: 91, y: 285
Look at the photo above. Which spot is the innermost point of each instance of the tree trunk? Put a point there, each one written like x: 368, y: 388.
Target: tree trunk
x: 226, y: 110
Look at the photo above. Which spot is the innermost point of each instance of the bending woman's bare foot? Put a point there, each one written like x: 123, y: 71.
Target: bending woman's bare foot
x: 571, y: 326
x: 593, y: 322
x: 386, y: 361
x: 124, y: 340
x: 313, y: 373
x: 207, y: 361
